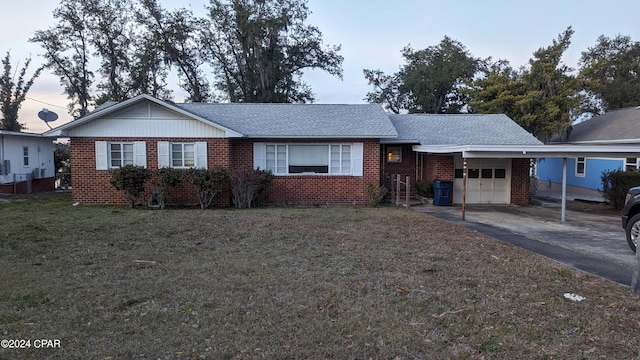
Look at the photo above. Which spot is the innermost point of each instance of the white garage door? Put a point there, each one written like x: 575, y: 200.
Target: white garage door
x: 489, y: 181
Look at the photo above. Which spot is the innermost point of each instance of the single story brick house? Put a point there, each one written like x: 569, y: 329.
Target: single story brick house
x: 319, y: 153
x: 26, y: 163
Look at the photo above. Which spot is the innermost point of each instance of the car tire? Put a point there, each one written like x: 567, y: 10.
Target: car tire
x: 633, y: 231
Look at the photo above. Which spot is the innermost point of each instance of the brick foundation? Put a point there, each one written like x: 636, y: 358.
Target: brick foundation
x: 37, y: 185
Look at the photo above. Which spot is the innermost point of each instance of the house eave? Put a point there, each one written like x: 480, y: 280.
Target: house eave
x: 531, y: 151
x: 25, y: 134
x: 321, y: 137
x: 393, y: 141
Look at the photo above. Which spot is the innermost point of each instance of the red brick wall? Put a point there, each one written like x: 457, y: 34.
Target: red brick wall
x: 520, y: 182
x: 405, y: 168
x: 315, y: 189
x: 438, y: 167
x: 91, y: 186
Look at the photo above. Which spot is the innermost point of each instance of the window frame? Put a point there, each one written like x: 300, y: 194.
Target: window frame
x: 183, y: 160
x: 165, y: 154
x: 394, y: 154
x: 340, y: 155
x: 584, y: 167
x: 25, y: 156
x: 630, y: 166
x: 103, y: 154
x: 110, y: 153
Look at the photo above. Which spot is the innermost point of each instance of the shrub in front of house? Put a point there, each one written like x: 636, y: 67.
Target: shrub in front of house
x: 615, y: 185
x: 424, y: 188
x: 376, y: 194
x: 247, y: 184
x: 162, y: 180
x: 207, y: 182
x: 131, y: 180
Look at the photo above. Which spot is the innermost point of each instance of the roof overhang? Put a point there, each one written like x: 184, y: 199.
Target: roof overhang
x: 318, y: 137
x: 532, y: 151
x: 25, y: 134
x: 62, y: 131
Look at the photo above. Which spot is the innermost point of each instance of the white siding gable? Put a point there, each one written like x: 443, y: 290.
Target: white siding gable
x: 146, y: 120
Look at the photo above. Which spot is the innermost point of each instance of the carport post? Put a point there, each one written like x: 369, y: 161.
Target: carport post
x: 464, y: 185
x: 564, y: 189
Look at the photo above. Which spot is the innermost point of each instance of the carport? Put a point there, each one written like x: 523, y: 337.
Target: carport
x: 563, y: 151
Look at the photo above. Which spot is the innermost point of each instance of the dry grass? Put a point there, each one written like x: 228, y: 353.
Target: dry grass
x: 299, y: 283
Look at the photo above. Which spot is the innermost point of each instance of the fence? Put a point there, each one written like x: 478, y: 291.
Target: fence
x: 399, y: 189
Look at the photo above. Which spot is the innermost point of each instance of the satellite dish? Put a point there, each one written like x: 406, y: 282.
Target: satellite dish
x: 47, y: 116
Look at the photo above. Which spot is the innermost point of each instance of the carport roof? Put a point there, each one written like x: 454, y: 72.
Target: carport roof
x: 488, y: 136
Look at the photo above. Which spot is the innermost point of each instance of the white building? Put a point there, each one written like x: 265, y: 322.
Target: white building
x: 26, y: 162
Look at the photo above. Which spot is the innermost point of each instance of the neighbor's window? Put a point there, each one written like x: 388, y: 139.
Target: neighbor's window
x: 25, y: 155
x: 182, y: 155
x: 631, y: 164
x: 580, y: 166
x: 308, y: 158
x: 394, y: 154
x: 121, y: 154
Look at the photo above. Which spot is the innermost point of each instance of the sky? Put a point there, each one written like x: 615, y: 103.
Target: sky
x: 372, y: 34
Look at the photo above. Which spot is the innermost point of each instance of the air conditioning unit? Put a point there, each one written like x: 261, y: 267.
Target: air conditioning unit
x: 35, y: 173
x: 42, y: 171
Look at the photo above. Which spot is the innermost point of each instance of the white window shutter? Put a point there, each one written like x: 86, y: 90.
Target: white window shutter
x: 102, y: 156
x: 259, y: 150
x: 163, y: 154
x: 201, y: 155
x: 357, y: 159
x: 140, y: 153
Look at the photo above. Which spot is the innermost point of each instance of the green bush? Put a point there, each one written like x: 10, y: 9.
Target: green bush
x: 131, y: 180
x: 615, y: 185
x: 248, y: 184
x: 162, y: 180
x: 207, y: 183
x: 424, y: 188
x: 376, y: 194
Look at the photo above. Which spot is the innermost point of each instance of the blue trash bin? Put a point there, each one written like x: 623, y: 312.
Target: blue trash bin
x: 442, y: 193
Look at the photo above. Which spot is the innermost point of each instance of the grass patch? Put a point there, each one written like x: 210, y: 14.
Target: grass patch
x: 378, y: 283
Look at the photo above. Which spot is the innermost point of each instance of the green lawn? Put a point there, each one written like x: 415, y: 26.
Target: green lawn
x: 298, y: 283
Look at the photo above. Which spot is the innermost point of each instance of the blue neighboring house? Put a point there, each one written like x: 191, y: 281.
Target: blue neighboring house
x: 618, y: 127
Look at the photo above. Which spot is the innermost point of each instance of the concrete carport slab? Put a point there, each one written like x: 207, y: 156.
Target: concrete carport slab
x: 592, y: 242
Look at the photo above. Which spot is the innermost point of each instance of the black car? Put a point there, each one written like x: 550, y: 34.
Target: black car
x: 631, y: 217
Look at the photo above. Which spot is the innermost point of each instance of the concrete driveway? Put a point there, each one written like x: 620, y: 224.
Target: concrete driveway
x: 592, y: 242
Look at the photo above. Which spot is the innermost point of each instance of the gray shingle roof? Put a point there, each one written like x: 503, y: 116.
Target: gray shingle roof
x: 461, y: 129
x: 297, y: 120
x: 614, y: 125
